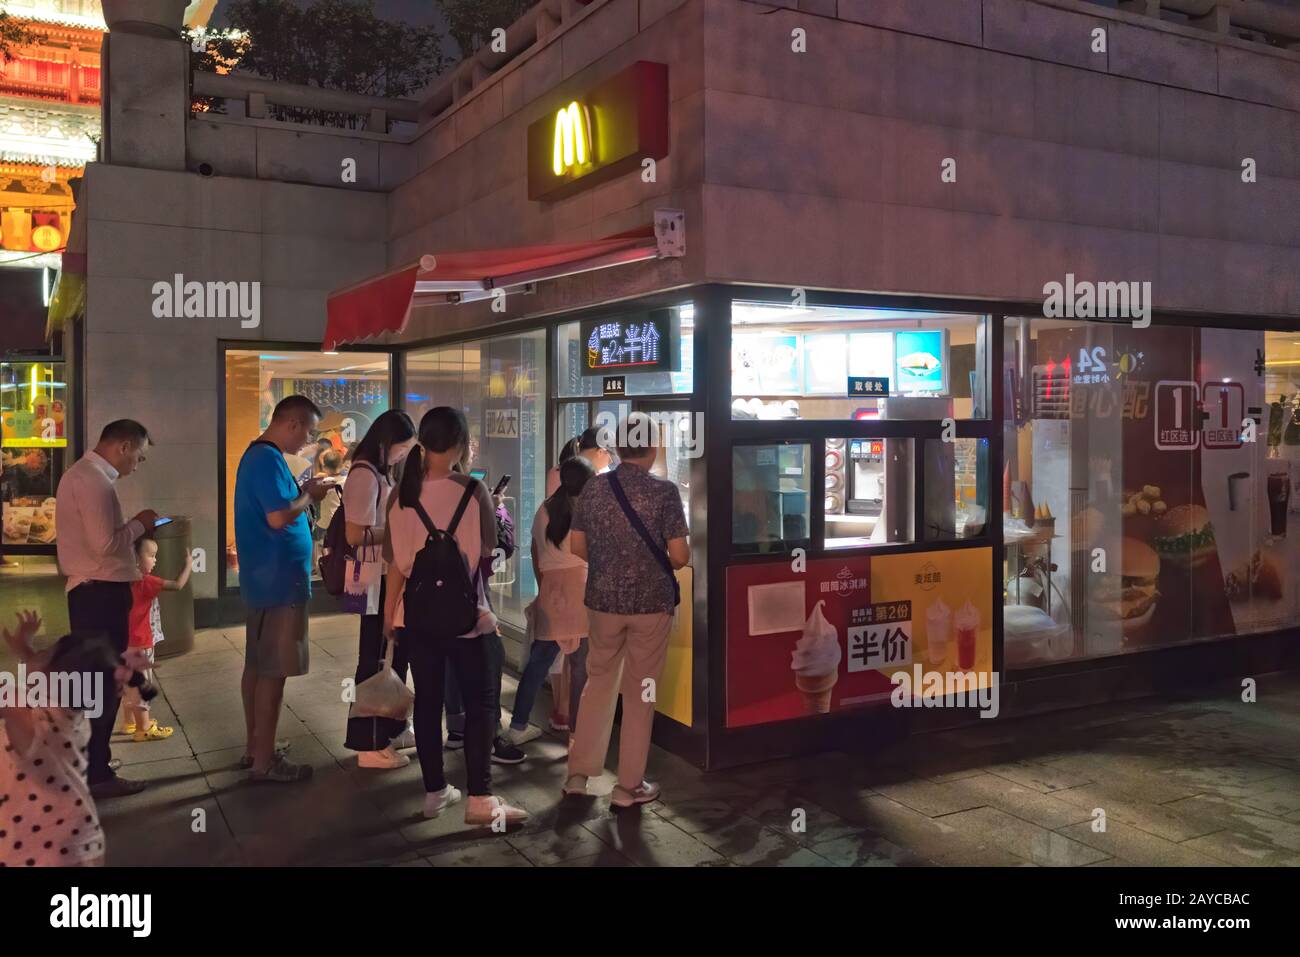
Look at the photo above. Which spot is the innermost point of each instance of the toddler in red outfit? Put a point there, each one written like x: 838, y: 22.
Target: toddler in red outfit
x: 146, y: 631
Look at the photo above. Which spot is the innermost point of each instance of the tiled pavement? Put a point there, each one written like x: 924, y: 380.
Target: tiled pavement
x: 1199, y: 781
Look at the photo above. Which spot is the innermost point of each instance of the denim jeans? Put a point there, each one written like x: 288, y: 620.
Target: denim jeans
x: 540, y: 657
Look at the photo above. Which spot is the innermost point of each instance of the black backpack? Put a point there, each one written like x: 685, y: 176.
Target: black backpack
x: 441, y: 598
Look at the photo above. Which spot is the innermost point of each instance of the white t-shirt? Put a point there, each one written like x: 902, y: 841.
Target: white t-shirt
x: 365, y: 496
x: 476, y: 535
x: 365, y: 502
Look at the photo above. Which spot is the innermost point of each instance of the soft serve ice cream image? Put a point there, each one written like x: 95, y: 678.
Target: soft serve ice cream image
x: 816, y: 662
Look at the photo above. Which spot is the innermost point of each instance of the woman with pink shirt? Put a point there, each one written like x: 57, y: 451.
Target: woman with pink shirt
x: 460, y: 506
x: 559, y: 617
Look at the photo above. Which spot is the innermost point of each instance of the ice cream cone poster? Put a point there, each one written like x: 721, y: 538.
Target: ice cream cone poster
x: 828, y: 639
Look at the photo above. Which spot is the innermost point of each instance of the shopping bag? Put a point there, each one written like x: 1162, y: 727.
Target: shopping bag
x: 362, y: 572
x: 383, y: 694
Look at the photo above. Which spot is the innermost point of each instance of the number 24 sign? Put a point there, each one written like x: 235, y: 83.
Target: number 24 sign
x: 1186, y: 410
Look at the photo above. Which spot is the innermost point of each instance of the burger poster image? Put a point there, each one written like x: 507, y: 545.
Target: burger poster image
x: 1176, y: 491
x: 829, y: 638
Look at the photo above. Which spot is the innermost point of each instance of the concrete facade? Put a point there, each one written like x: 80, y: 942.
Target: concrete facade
x: 1122, y: 164
x: 817, y: 169
x: 144, y: 226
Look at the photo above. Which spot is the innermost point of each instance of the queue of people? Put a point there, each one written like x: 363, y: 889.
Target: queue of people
x: 605, y: 545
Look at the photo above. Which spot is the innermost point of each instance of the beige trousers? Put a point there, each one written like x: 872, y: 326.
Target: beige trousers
x: 623, y: 651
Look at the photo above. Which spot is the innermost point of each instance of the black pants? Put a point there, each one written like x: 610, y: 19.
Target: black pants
x: 102, y: 608
x: 375, y: 734
x: 477, y: 664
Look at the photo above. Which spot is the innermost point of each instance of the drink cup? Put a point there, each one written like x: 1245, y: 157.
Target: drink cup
x: 1279, y: 496
x: 967, y: 625
x: 938, y: 631
x: 1236, y: 490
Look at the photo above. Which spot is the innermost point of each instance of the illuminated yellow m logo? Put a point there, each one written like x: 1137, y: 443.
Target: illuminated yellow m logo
x: 572, y: 139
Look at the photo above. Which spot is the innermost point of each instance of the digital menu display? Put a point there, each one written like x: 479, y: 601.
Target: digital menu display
x: 644, y: 342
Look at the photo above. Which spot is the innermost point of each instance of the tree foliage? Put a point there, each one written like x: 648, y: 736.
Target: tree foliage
x: 471, y: 22
x: 13, y: 34
x: 337, y: 44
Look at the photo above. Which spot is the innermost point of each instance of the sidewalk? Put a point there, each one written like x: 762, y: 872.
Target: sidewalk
x: 1208, y: 781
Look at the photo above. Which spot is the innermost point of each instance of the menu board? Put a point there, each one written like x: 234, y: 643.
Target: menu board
x: 831, y: 637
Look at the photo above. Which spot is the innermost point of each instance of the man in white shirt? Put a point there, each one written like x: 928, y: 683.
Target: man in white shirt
x: 96, y: 550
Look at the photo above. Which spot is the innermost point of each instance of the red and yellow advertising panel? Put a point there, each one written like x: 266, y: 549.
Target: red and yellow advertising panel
x: 828, y: 635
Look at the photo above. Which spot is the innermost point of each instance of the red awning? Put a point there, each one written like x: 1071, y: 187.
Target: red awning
x: 383, y: 304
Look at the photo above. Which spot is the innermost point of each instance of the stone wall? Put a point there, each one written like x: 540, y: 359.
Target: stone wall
x: 1123, y: 165
x: 144, y: 226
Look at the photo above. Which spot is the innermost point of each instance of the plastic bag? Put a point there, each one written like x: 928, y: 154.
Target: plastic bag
x: 383, y: 694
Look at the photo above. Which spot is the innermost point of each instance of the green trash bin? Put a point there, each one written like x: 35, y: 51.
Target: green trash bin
x: 177, y: 607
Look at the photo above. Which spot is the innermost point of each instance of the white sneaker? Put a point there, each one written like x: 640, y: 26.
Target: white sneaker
x: 530, y: 733
x: 404, y: 741
x: 643, y: 793
x: 484, y: 811
x: 385, y: 759
x: 435, y: 802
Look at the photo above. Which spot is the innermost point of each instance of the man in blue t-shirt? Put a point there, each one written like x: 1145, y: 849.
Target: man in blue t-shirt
x: 273, y: 541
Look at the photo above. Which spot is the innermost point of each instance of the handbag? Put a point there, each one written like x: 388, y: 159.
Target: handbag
x: 361, y: 572
x: 661, y: 556
x: 383, y: 694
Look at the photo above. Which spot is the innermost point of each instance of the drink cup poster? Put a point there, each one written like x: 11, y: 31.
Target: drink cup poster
x: 828, y: 639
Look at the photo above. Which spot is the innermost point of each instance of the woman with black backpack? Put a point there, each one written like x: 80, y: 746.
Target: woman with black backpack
x: 365, y: 503
x: 442, y: 533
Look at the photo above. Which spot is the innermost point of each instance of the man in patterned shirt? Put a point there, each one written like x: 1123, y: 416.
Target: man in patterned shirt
x: 631, y: 598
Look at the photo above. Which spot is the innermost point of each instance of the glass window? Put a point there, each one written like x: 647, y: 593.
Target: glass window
x: 670, y: 345
x: 351, y: 389
x: 772, y: 490
x: 34, y: 431
x: 1148, y: 486
x: 956, y: 488
x: 835, y: 362
x: 500, y: 384
x: 869, y: 492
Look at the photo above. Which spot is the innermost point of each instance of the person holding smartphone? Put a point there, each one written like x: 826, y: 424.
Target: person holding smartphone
x: 96, y: 549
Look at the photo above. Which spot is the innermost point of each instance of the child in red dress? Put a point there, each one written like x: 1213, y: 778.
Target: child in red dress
x: 146, y: 631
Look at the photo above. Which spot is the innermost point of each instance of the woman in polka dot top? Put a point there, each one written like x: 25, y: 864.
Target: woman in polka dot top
x: 47, y: 816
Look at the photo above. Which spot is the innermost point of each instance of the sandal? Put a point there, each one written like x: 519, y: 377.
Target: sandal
x: 153, y: 733
x: 281, y: 772
x: 246, y: 762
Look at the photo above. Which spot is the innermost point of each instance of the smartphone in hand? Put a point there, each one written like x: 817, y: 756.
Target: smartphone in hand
x: 501, y: 486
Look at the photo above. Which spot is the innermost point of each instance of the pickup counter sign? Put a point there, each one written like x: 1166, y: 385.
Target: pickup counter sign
x: 600, y: 134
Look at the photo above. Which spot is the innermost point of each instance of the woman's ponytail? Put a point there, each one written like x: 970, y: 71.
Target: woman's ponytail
x: 408, y: 493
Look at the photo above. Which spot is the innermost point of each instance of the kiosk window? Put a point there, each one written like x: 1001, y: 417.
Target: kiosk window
x: 956, y: 488
x: 770, y: 498
x: 869, y: 492
x: 835, y: 362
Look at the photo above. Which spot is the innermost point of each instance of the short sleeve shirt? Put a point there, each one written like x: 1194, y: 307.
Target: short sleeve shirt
x: 144, y: 598
x: 365, y: 497
x: 274, y: 564
x: 623, y: 576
